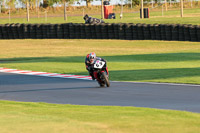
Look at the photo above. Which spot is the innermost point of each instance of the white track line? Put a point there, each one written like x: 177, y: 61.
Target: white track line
x: 156, y: 83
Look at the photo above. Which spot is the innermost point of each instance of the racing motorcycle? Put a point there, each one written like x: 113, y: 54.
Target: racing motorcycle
x: 100, y: 70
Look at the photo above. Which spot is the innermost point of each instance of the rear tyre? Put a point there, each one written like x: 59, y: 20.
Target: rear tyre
x: 106, y: 79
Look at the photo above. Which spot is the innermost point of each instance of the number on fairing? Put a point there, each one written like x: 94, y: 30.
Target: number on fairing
x: 99, y: 64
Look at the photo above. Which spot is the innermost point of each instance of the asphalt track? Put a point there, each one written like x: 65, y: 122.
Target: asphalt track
x: 28, y: 88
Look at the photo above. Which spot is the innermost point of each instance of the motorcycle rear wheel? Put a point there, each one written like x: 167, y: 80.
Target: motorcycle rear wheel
x: 106, y: 79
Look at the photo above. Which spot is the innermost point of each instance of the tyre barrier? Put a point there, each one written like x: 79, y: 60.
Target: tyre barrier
x: 124, y: 31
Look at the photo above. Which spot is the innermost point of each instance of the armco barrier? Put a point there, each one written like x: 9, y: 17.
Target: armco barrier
x: 125, y: 31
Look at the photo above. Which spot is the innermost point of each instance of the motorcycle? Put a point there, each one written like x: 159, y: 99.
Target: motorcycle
x: 100, y: 73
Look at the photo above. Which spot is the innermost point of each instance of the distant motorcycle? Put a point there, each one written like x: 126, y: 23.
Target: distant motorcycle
x: 101, y: 74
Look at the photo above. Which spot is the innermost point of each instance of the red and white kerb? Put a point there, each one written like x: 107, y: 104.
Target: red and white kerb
x: 46, y: 74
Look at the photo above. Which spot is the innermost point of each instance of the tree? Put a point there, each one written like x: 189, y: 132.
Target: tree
x: 50, y: 3
x: 4, y: 5
x: 64, y: 4
x: 26, y: 2
x: 134, y: 2
x: 11, y: 4
x: 38, y: 8
x: 1, y: 3
x: 88, y: 2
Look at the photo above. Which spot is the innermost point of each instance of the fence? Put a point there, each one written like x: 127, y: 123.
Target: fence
x: 125, y: 31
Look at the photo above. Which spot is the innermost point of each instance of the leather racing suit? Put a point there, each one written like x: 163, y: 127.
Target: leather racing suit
x: 89, y: 66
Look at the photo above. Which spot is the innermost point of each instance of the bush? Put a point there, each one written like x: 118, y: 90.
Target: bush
x: 4, y: 10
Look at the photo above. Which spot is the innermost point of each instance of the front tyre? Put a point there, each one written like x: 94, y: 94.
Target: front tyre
x: 106, y: 79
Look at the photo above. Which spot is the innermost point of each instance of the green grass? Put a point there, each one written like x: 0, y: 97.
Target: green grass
x: 153, y: 61
x: 191, y: 16
x: 144, y: 61
x: 18, y: 117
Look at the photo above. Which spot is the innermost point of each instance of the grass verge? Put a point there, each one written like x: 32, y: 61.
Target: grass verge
x: 155, y: 61
x: 17, y: 117
x: 146, y: 61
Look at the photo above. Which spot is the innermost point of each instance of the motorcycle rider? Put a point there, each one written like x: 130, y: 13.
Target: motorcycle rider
x: 90, y: 20
x: 89, y: 62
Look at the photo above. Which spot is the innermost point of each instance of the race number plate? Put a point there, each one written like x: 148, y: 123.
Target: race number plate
x: 99, y: 64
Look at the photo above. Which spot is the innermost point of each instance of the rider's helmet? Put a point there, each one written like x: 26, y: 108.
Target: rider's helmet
x: 86, y: 17
x: 92, y: 57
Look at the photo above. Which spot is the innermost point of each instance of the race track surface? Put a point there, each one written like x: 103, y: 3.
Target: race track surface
x: 28, y: 88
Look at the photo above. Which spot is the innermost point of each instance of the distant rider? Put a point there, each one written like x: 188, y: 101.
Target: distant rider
x: 90, y: 20
x: 89, y: 62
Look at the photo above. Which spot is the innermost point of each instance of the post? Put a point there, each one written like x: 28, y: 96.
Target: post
x: 131, y: 4
x: 181, y: 8
x: 65, y: 16
x: 0, y: 6
x: 45, y: 15
x: 162, y: 9
x: 35, y: 6
x: 38, y: 8
x: 142, y: 10
x: 191, y: 3
x: 27, y: 9
x: 121, y: 14
x: 102, y: 10
x: 165, y: 5
x: 151, y: 3
x: 9, y: 14
x: 83, y: 12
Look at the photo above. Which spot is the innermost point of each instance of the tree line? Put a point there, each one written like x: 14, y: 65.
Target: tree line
x: 33, y: 4
x: 36, y: 4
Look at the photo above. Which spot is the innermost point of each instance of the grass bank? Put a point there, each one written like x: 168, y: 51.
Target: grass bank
x: 17, y: 117
x: 146, y: 61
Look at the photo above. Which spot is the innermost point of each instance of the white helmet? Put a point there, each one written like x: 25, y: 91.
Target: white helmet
x: 92, y: 57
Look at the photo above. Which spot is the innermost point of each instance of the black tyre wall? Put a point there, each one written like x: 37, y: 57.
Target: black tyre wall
x: 123, y: 31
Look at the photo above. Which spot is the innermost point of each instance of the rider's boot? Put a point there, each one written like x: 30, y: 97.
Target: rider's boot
x: 107, y: 71
x: 98, y: 79
x: 102, y: 84
x: 92, y: 75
